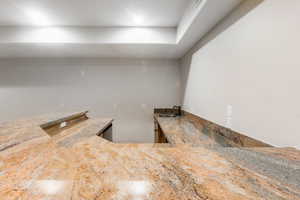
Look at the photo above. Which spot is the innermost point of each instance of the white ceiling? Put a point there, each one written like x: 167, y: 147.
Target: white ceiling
x: 162, y: 28
x: 154, y: 13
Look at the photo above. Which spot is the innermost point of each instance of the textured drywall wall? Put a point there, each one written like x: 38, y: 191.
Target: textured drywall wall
x: 245, y: 73
x: 124, y: 89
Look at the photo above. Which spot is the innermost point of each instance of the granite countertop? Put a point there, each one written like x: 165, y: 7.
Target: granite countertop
x: 180, y: 131
x: 281, y: 165
x: 78, y: 165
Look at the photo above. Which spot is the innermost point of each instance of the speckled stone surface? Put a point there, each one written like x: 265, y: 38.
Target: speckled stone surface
x: 266, y: 161
x: 279, y: 164
x: 195, y: 130
x: 77, y: 165
x: 179, y: 130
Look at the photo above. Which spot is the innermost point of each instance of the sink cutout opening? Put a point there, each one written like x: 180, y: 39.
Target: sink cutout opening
x: 107, y: 133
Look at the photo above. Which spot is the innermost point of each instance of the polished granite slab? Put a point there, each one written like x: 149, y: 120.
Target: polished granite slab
x: 78, y: 165
x: 192, y: 129
x: 278, y: 164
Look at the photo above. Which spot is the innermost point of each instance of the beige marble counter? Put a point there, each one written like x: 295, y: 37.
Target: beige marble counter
x: 78, y: 165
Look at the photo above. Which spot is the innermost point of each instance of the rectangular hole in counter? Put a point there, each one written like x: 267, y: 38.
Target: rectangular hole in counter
x: 107, y: 133
x: 159, y: 135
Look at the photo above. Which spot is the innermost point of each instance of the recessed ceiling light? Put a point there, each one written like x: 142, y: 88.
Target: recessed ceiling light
x: 138, y: 20
x: 36, y: 17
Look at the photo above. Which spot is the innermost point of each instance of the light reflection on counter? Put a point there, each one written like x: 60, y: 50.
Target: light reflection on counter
x: 50, y: 187
x: 137, y: 190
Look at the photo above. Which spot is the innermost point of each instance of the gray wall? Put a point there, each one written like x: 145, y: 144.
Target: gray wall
x: 245, y: 73
x: 124, y: 89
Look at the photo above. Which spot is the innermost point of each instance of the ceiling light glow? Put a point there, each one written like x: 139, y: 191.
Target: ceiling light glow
x: 36, y: 17
x: 138, y: 20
